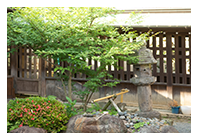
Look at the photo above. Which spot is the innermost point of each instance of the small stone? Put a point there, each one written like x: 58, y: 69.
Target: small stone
x: 132, y: 127
x: 131, y: 124
x: 145, y: 124
x: 127, y: 126
x: 157, y: 126
x: 137, y: 121
x: 162, y: 121
x: 132, y: 116
x: 135, y: 115
x: 126, y: 119
x: 98, y: 112
x: 134, y: 121
x: 121, y: 113
x: 122, y: 117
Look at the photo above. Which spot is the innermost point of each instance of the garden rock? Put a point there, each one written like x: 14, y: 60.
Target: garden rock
x: 168, y: 129
x: 149, y: 129
x: 149, y: 114
x: 122, y: 106
x: 27, y: 129
x: 106, y: 124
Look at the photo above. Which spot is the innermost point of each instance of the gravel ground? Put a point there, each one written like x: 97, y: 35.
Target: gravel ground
x: 182, y: 126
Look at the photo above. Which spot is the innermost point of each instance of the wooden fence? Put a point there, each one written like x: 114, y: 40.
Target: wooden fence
x: 171, y: 49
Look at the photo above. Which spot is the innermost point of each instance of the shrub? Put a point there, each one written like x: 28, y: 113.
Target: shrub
x: 40, y: 112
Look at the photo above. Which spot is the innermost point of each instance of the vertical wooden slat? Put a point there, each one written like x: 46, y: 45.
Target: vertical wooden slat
x: 13, y: 63
x: 128, y: 72
x: 154, y: 55
x: 20, y: 62
x: 35, y: 62
x: 176, y: 59
x: 190, y: 53
x: 30, y: 63
x: 121, y: 70
x: 169, y: 66
x: 84, y: 76
x: 109, y: 70
x: 89, y: 63
x: 161, y: 57
x: 115, y: 73
x: 25, y: 62
x: 42, y: 71
x: 7, y: 62
x: 95, y: 65
x: 169, y: 59
x: 50, y: 67
x: 183, y: 59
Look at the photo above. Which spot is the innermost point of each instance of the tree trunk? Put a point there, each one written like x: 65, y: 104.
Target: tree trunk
x: 70, y: 86
x: 64, y: 88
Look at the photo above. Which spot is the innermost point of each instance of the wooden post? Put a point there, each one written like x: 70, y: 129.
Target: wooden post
x: 116, y: 107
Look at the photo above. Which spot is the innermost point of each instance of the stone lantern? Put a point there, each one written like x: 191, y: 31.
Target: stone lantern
x: 143, y: 79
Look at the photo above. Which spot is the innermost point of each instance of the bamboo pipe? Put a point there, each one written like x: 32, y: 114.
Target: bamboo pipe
x: 121, y: 98
x: 110, y: 96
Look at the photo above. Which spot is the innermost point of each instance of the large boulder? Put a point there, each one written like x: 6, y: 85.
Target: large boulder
x: 27, y: 129
x: 105, y: 124
x: 168, y: 129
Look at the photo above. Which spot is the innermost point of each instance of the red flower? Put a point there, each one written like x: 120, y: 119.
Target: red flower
x: 34, y: 106
x: 21, y: 115
x: 25, y: 110
x: 33, y: 115
x: 21, y: 124
x: 48, y: 101
x: 10, y: 109
x: 27, y: 99
x: 46, y: 124
x: 47, y: 107
x: 29, y: 113
x: 17, y: 102
x: 32, y: 101
x: 10, y: 119
x: 32, y: 118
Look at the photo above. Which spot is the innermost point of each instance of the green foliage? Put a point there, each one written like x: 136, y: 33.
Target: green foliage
x: 112, y: 111
x: 72, y: 36
x: 138, y: 125
x: 41, y: 112
x: 71, y: 110
x: 94, y: 107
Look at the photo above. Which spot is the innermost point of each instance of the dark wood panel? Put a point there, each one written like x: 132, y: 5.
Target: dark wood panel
x: 27, y: 85
x: 10, y: 88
